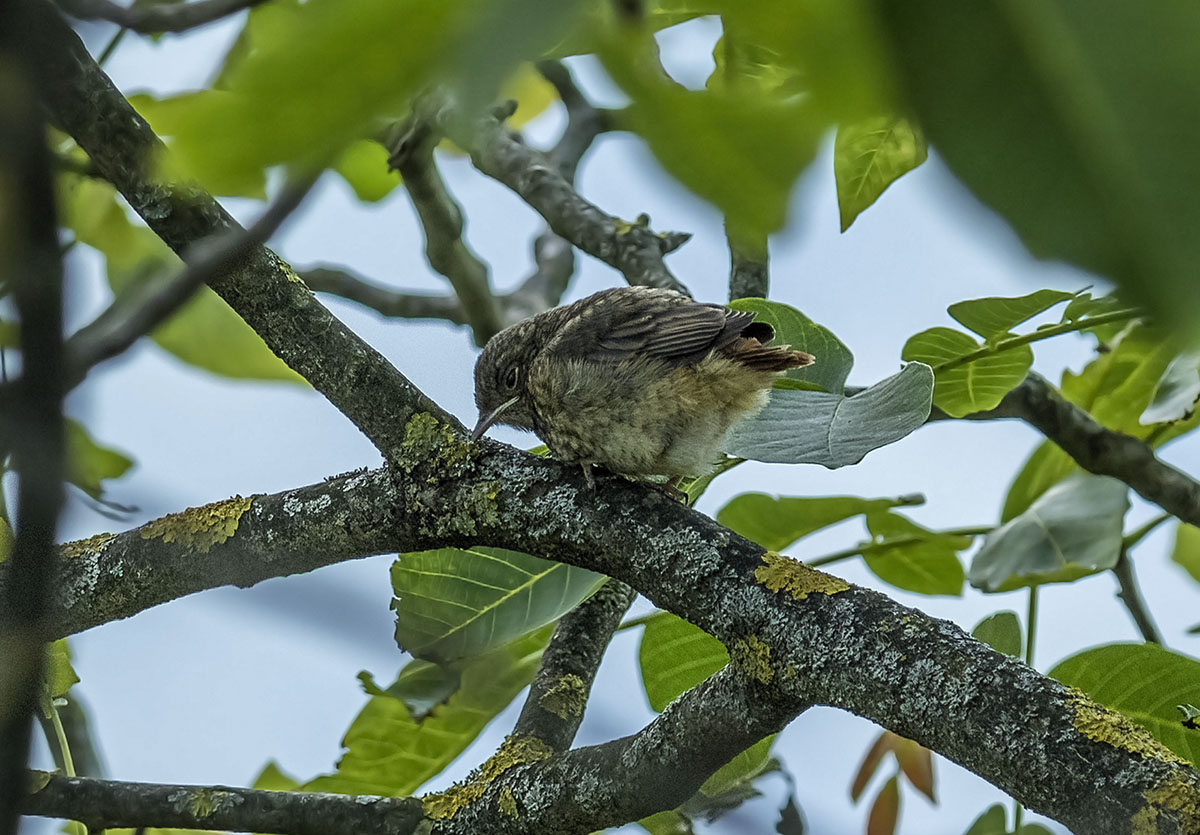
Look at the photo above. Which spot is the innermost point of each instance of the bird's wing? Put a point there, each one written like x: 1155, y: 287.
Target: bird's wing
x: 624, y: 324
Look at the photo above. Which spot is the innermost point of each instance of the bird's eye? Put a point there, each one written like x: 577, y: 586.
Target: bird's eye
x: 510, y: 379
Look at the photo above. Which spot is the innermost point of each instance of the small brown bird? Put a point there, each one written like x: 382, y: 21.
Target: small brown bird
x: 641, y: 381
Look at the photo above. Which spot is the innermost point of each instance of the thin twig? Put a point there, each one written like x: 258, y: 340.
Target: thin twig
x: 341, y: 282
x: 125, y: 321
x: 155, y: 17
x: 749, y: 276
x: 1129, y: 594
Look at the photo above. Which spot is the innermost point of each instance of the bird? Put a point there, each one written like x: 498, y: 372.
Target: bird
x: 643, y: 382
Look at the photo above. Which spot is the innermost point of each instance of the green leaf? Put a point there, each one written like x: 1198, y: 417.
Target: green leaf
x: 421, y: 685
x: 453, y: 603
x: 1177, y: 391
x: 675, y: 656
x: 741, y: 152
x: 6, y: 539
x: 885, y: 811
x: 1143, y: 681
x: 670, y: 822
x: 10, y: 334
x: 88, y: 463
x: 991, y: 822
x: 1085, y: 306
x: 968, y: 387
x: 775, y: 522
x: 1002, y: 632
x: 741, y: 770
x: 205, y: 332
x: 1047, y: 466
x: 833, y: 358
x: 814, y: 427
x: 1186, y: 552
x: 273, y: 779
x: 1044, y: 110
x: 869, y: 156
x: 1072, y: 530
x: 363, y: 164
x: 60, y: 676
x: 996, y: 316
x: 390, y: 753
x: 694, y: 488
x: 328, y: 68
x: 912, y: 557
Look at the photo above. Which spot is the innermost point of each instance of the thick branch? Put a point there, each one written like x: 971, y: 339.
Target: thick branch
x: 554, y: 707
x: 104, y: 804
x: 260, y: 287
x: 631, y: 248
x: 156, y: 17
x: 33, y: 431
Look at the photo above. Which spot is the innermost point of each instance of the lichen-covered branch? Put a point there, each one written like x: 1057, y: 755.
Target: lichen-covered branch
x: 32, y: 430
x: 559, y: 692
x: 442, y: 220
x: 261, y: 287
x: 1097, y: 449
x: 157, y: 17
x: 104, y: 804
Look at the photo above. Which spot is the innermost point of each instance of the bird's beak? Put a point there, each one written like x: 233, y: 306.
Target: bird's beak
x: 487, y: 420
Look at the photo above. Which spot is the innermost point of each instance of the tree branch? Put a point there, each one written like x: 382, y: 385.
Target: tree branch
x: 157, y: 17
x: 749, y: 276
x: 1132, y: 598
x: 1097, y: 449
x: 33, y: 427
x: 442, y: 219
x: 631, y: 248
x: 387, y: 302
x: 554, y: 707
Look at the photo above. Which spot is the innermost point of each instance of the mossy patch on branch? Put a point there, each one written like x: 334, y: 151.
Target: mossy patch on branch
x: 1173, y: 797
x: 779, y: 573
x: 753, y: 656
x: 565, y: 698
x: 92, y: 546
x: 429, y: 442
x: 516, y: 750
x: 199, y: 528
x: 1102, y: 724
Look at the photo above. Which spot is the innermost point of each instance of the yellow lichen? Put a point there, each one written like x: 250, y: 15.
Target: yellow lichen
x: 1174, y: 796
x: 508, y: 802
x: 429, y: 441
x: 516, y: 750
x: 778, y: 573
x: 1104, y: 725
x: 199, y: 528
x: 566, y: 697
x: 753, y: 655
x: 91, y: 546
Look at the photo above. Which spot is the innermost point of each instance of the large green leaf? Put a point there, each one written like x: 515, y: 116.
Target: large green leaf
x: 833, y: 358
x: 89, y: 463
x: 452, y: 603
x: 1045, y: 467
x: 1002, y: 632
x: 869, y: 156
x: 914, y: 558
x: 775, y: 522
x: 815, y: 427
x: 325, y: 69
x: 390, y: 753
x: 961, y: 388
x: 995, y: 316
x: 1070, y: 531
x: 205, y: 332
x: 675, y: 656
x: 1143, y: 681
x: 1186, y: 552
x: 1045, y: 109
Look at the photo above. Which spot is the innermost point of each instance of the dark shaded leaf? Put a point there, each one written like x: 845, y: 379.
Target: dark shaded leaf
x: 869, y: 156
x: 833, y: 358
x: 775, y: 522
x: 1002, y: 632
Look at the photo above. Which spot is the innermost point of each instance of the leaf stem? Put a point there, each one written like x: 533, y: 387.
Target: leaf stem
x: 1038, y: 335
x: 1138, y: 534
x: 60, y: 738
x: 870, y: 548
